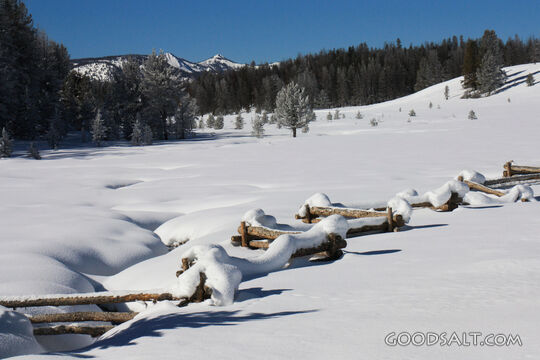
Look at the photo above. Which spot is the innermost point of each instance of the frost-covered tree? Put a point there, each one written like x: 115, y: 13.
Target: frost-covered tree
x: 292, y: 107
x: 184, y: 117
x: 264, y: 117
x: 201, y: 123
x: 148, y: 136
x: 490, y: 75
x: 99, y: 131
x: 472, y: 115
x: 239, y: 122
x: 257, y: 127
x: 373, y: 122
x: 329, y: 116
x: 430, y: 71
x: 211, y: 121
x: 54, y: 135
x: 446, y: 92
x: 5, y: 144
x: 219, y: 123
x: 137, y: 138
x: 412, y: 112
x: 430, y: 105
x: 359, y: 115
x: 530, y: 80
x: 33, y: 151
x: 273, y: 119
x: 337, y: 115
x: 161, y: 92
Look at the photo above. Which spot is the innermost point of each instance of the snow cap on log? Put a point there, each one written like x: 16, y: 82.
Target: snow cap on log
x: 401, y: 206
x: 471, y: 175
x: 257, y: 217
x: 317, y: 199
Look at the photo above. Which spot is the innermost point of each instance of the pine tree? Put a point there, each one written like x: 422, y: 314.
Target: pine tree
x: 201, y: 123
x: 257, y: 127
x: 446, y: 92
x: 430, y: 105
x: 429, y: 72
x: 239, y: 122
x: 148, y: 136
x: 471, y: 63
x: 490, y: 75
x: 5, y: 144
x: 273, y: 119
x: 359, y: 115
x: 530, y: 80
x: 337, y: 115
x: 211, y: 121
x: 412, y: 112
x: 184, y: 117
x: 53, y: 134
x: 219, y: 123
x: 137, y: 137
x: 264, y: 117
x: 33, y: 151
x: 99, y: 131
x: 292, y: 107
x: 329, y: 116
x: 472, y: 115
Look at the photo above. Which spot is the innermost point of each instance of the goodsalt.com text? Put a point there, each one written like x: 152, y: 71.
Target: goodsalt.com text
x: 471, y: 338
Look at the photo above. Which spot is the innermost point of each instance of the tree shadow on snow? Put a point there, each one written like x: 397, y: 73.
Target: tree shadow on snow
x: 372, y: 252
x: 153, y: 327
x: 514, y: 82
x: 256, y: 293
x: 417, y: 227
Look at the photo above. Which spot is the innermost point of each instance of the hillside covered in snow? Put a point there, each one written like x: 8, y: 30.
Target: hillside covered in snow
x: 93, y: 219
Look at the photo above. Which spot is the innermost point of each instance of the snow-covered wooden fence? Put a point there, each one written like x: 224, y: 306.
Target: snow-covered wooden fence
x: 511, y: 170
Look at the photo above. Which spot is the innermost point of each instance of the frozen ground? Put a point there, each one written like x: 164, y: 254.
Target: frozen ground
x: 83, y: 219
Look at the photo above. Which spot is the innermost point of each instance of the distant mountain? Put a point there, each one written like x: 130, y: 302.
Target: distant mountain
x: 103, y: 68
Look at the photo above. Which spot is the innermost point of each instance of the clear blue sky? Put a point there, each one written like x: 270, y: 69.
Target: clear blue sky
x: 267, y: 31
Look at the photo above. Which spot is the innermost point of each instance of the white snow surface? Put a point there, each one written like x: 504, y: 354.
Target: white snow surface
x: 82, y: 219
x: 437, y: 197
x: 471, y: 175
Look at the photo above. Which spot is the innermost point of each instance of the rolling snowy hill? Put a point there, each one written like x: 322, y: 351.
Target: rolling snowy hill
x: 102, y: 68
x: 87, y: 219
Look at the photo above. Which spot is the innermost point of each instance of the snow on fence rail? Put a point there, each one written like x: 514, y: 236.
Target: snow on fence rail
x: 208, y: 272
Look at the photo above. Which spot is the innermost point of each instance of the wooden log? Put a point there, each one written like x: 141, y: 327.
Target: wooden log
x: 334, y: 243
x: 389, y: 219
x: 243, y: 234
x: 259, y: 244
x: 519, y: 169
x: 346, y: 212
x: 482, y: 188
x: 87, y: 299
x: 114, y: 317
x: 515, y: 178
x: 260, y: 232
x: 93, y: 331
x: 508, y: 169
x: 352, y: 232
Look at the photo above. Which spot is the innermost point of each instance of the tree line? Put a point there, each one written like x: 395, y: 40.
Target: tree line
x: 360, y: 75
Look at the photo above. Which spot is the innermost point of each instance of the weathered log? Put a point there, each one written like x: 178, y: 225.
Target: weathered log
x: 260, y: 232
x: 202, y: 292
x: 512, y: 179
x: 259, y: 244
x: 508, y: 169
x: 519, y: 169
x: 482, y: 188
x: 346, y: 212
x: 87, y: 299
x: 114, y: 317
x: 93, y: 331
x: 389, y: 219
x: 243, y: 234
x: 331, y: 247
x: 352, y: 232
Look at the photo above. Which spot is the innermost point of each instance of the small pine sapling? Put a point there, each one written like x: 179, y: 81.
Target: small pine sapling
x: 373, y: 122
x: 33, y: 151
x: 264, y: 117
x: 257, y: 127
x: 201, y: 123
x: 273, y: 119
x: 98, y: 129
x: 5, y: 144
x: 430, y: 105
x: 337, y: 115
x: 446, y: 92
x: 239, y: 122
x: 137, y: 138
x: 359, y: 115
x: 148, y: 136
x: 412, y: 112
x: 210, y: 122
x: 472, y: 115
x: 329, y: 116
x: 219, y: 123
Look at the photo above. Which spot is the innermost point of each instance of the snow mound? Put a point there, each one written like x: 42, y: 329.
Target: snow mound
x: 401, y: 207
x: 16, y: 335
x: 317, y: 199
x: 437, y: 197
x: 518, y: 192
x: 471, y: 175
x: 224, y: 272
x: 257, y: 217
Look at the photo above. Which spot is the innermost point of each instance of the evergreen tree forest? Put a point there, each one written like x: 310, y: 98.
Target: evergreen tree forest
x: 41, y: 98
x: 358, y: 75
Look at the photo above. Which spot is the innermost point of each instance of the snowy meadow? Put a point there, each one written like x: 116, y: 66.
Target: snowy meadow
x: 94, y: 219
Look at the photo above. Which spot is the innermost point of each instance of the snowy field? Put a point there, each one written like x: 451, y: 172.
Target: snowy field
x: 91, y: 219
